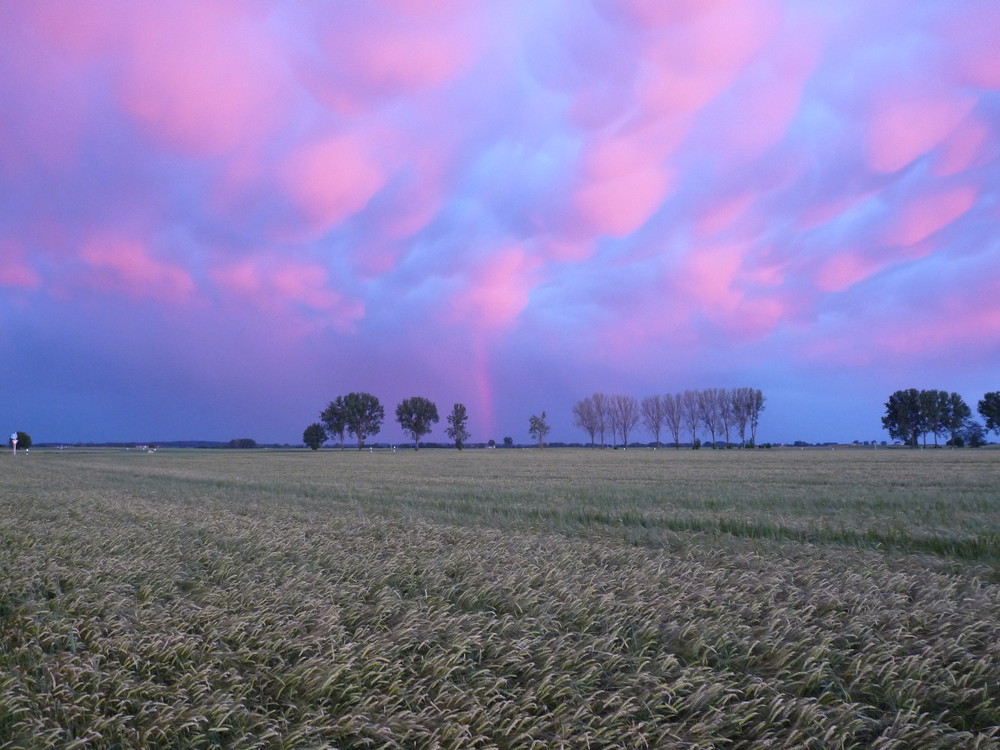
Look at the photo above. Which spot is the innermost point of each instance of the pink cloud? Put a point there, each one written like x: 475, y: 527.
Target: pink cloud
x: 967, y: 147
x: 701, y: 52
x: 972, y: 28
x: 497, y: 290
x: 724, y: 285
x: 909, y: 121
x: 329, y: 180
x: 281, y: 285
x: 125, y: 265
x: 14, y: 270
x: 381, y: 50
x: 202, y: 78
x: 845, y: 269
x: 623, y: 183
x: 921, y: 217
x: 723, y: 215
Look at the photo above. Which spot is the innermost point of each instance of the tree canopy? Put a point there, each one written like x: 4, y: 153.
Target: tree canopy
x: 457, y: 420
x: 314, y: 436
x: 989, y: 408
x: 334, y: 418
x: 363, y: 416
x: 538, y: 428
x: 417, y: 415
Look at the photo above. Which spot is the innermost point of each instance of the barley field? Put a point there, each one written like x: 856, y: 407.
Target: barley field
x: 500, y: 599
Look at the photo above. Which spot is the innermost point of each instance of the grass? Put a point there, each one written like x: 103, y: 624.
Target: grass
x: 500, y: 598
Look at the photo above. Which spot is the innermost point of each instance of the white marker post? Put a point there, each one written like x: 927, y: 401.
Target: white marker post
x: 13, y: 439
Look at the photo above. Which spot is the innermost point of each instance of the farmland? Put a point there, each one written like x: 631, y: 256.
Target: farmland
x: 500, y: 598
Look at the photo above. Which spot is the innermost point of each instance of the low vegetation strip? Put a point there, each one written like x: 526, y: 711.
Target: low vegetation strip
x: 498, y: 599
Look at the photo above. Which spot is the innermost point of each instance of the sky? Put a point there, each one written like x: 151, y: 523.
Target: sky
x: 217, y: 216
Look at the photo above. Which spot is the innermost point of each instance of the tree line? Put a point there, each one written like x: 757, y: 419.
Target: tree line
x: 913, y: 414
x: 718, y: 413
x: 361, y: 415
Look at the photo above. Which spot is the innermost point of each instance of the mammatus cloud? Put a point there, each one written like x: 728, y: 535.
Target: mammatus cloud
x: 615, y: 194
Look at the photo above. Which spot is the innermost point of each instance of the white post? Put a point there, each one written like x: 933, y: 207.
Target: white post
x: 13, y: 440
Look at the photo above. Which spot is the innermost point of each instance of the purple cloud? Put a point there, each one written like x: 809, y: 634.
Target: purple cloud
x: 242, y: 210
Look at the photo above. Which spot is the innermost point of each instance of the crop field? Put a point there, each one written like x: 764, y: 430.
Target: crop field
x: 500, y: 599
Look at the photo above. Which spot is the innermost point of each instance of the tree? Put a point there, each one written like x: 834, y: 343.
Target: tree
x: 653, y: 416
x: 934, y: 410
x: 586, y: 418
x: 334, y: 418
x: 23, y: 440
x: 726, y: 415
x: 903, y: 418
x: 242, y: 443
x: 508, y: 442
x: 314, y: 436
x: 756, y: 407
x: 417, y: 415
x: 740, y: 399
x: 957, y: 415
x: 602, y: 408
x: 457, y: 421
x: 363, y: 416
x: 708, y: 405
x: 538, y: 428
x: 971, y: 434
x: 673, y: 413
x: 625, y: 415
x: 691, y: 413
x: 989, y: 408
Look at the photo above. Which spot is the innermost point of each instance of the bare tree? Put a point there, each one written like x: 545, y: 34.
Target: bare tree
x: 602, y: 406
x: 653, y: 416
x: 673, y: 414
x: 585, y: 417
x: 624, y: 415
x: 726, y: 415
x: 740, y: 399
x: 708, y: 404
x: 692, y: 413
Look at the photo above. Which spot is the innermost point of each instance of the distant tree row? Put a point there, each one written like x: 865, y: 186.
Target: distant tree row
x: 913, y: 414
x: 719, y: 413
x: 361, y: 415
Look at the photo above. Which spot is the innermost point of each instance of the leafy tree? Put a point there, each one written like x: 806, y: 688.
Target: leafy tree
x: 416, y: 415
x: 971, y: 434
x: 989, y: 408
x: 334, y: 418
x: 756, y: 404
x: 653, y: 416
x: 363, y: 416
x: 508, y: 442
x: 493, y: 443
x: 538, y: 428
x: 457, y: 420
x: 23, y: 440
x: 243, y: 443
x: 957, y: 415
x: 314, y: 436
x: 904, y: 419
x: 934, y: 408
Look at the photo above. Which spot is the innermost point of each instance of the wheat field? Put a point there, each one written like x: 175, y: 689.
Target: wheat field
x: 500, y: 599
